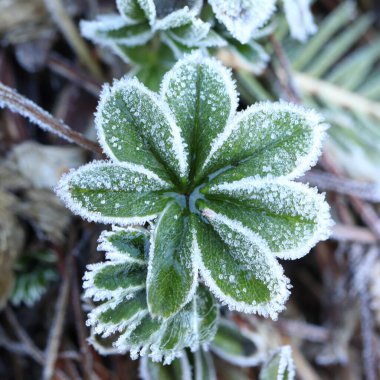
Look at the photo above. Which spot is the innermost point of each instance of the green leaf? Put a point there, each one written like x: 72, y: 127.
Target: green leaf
x: 112, y: 29
x: 203, y: 366
x: 193, y: 326
x: 242, y: 274
x: 280, y: 366
x: 251, y: 56
x: 137, y: 10
x: 290, y: 217
x: 237, y: 345
x: 267, y: 140
x: 179, y: 369
x: 172, y: 274
x: 202, y: 96
x: 134, y: 125
x: 106, y: 281
x: 129, y: 244
x: 113, y: 193
x: 191, y: 33
x: 121, y: 321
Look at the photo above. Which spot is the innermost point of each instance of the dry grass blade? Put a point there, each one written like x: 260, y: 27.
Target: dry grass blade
x: 25, y: 107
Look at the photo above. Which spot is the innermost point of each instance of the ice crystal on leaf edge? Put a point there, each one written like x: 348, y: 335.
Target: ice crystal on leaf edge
x: 189, y: 143
x: 121, y: 320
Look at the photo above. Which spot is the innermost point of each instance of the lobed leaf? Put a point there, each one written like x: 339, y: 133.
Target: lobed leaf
x: 172, y: 274
x: 134, y: 125
x: 241, y: 273
x: 122, y: 322
x: 113, y: 193
x: 290, y: 217
x: 125, y: 244
x: 267, y: 140
x: 243, y: 17
x: 202, y: 97
x: 137, y: 10
x: 109, y: 30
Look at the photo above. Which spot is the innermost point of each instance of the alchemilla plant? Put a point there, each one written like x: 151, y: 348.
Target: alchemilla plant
x: 121, y: 320
x: 217, y: 189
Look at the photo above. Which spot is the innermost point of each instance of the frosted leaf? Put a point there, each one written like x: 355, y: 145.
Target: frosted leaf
x: 258, y: 284
x: 135, y: 125
x: 203, y: 99
x: 121, y: 320
x: 237, y: 345
x: 290, y: 217
x: 113, y: 193
x: 166, y: 7
x: 251, y: 56
x: 174, y: 20
x: 191, y: 33
x: 179, y: 369
x: 268, y: 140
x: 300, y: 19
x: 204, y: 368
x: 125, y: 244
x: 134, y: 11
x: 109, y: 30
x: 243, y: 17
x: 172, y: 273
x: 280, y: 366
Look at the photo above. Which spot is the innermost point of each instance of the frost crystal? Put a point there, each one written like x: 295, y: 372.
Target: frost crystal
x: 219, y: 183
x: 300, y: 19
x: 243, y: 17
x: 121, y: 320
x: 176, y: 23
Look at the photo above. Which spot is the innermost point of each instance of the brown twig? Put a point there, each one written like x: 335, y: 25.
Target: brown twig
x: 19, y: 104
x: 74, y: 74
x: 56, y: 329
x: 22, y: 335
x: 285, y: 74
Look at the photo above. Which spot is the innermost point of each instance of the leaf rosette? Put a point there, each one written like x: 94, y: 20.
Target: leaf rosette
x: 139, y: 21
x: 218, y: 183
x: 121, y: 320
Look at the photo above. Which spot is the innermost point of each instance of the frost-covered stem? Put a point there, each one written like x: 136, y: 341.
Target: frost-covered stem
x: 365, y: 210
x: 69, y: 30
x: 19, y: 104
x: 330, y: 182
x: 349, y: 233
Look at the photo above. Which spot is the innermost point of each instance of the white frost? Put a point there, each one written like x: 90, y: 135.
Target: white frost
x: 243, y: 17
x: 300, y: 19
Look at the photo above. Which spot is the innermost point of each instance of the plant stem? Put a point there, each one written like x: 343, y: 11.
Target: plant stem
x: 19, y: 104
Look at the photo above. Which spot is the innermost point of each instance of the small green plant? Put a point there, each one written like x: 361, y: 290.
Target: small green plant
x: 217, y: 183
x: 121, y: 320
